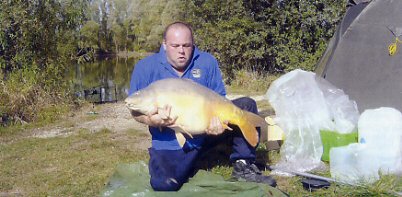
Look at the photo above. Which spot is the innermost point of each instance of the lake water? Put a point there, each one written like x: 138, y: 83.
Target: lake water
x: 102, y: 81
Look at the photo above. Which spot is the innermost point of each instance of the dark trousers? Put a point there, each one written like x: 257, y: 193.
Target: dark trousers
x: 170, y: 169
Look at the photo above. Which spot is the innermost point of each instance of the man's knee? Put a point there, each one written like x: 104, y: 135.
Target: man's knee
x: 246, y: 103
x: 170, y: 169
x: 165, y: 184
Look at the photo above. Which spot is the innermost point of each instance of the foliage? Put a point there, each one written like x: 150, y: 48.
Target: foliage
x: 37, y: 41
x: 264, y: 36
x: 301, y: 31
x: 30, y: 93
x: 225, y: 29
x: 129, y: 25
x: 37, y: 32
x: 89, y: 37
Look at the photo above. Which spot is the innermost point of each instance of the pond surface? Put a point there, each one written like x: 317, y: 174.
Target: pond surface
x: 102, y: 81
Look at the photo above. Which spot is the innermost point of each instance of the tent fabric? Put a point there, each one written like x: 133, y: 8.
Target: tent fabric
x: 133, y: 180
x: 357, y: 59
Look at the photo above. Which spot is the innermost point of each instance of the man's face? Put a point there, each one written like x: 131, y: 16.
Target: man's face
x: 179, y: 47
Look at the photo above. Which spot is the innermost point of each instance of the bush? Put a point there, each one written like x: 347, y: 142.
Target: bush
x: 30, y: 93
x: 37, y: 41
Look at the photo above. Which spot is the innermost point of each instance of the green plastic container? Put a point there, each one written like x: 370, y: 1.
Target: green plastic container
x: 331, y: 139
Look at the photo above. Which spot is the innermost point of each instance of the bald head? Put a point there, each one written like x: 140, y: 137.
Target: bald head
x: 177, y: 26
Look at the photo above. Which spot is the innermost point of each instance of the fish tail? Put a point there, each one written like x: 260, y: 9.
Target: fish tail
x: 255, y: 119
x: 248, y: 126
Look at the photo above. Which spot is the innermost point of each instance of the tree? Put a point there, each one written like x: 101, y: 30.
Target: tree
x: 264, y: 36
x: 89, y: 36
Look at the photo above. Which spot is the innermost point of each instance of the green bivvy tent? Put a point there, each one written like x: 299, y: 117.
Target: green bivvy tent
x: 364, y: 58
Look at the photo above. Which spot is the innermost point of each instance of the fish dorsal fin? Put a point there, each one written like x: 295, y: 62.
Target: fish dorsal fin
x: 180, y: 138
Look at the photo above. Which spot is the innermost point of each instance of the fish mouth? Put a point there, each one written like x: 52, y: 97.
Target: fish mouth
x: 132, y: 106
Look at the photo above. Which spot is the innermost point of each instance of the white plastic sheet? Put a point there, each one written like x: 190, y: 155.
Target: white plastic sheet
x: 343, y: 111
x: 300, y: 110
x: 304, y: 105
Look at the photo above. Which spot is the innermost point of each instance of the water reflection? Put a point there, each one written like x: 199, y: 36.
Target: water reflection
x: 102, y: 81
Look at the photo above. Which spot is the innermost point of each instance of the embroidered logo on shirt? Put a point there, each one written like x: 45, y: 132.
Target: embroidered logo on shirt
x: 196, y: 73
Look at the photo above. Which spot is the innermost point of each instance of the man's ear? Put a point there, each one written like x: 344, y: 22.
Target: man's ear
x: 164, y: 45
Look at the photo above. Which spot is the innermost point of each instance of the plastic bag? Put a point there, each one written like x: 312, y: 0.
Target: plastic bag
x: 305, y: 104
x: 301, y: 111
x: 343, y: 111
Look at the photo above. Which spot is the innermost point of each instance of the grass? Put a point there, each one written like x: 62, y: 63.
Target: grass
x: 250, y: 83
x: 78, y: 165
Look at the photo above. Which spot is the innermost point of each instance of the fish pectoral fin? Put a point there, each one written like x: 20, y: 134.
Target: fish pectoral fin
x: 180, y: 128
x: 180, y: 138
x: 226, y: 126
x: 189, y: 134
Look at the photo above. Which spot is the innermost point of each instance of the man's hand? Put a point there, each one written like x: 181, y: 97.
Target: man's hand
x: 217, y: 127
x: 158, y: 117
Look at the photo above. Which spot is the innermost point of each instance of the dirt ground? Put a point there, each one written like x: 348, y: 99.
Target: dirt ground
x: 112, y: 116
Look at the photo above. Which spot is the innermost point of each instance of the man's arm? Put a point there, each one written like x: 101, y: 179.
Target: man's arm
x: 140, y: 77
x: 215, y: 81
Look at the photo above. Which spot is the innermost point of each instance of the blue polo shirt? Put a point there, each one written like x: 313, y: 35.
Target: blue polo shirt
x: 203, y: 69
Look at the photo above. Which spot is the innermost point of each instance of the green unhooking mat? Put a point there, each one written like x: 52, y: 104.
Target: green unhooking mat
x: 133, y: 180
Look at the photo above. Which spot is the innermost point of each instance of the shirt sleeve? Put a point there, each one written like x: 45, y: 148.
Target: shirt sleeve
x: 139, y: 77
x: 216, y: 81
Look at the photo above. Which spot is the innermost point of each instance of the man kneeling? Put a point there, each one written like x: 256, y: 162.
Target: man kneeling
x: 171, y: 165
